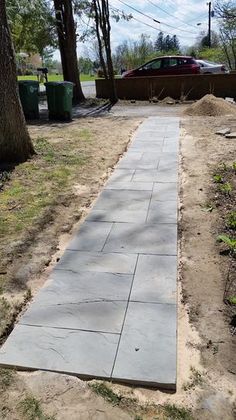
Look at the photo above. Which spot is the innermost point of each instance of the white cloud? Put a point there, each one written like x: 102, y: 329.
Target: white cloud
x: 190, y: 12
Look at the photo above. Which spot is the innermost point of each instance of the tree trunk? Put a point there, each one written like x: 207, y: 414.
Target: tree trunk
x: 107, y: 32
x: 67, y: 44
x: 15, y: 143
x: 100, y: 48
x: 103, y: 28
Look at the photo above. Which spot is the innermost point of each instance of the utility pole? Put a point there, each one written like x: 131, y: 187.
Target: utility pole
x: 209, y: 24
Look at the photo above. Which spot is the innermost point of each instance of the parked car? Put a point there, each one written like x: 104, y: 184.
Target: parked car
x: 165, y: 66
x: 208, y: 67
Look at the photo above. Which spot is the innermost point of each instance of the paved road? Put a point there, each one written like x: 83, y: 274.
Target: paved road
x: 89, y: 89
x: 109, y: 308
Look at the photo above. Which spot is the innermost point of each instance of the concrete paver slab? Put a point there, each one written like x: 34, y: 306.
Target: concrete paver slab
x: 135, y: 186
x: 155, y: 279
x: 165, y: 191
x: 90, y: 237
x: 142, y: 238
x: 170, y: 146
x: 151, y: 146
x: 68, y: 287
x: 147, y: 348
x: 84, y: 353
x: 121, y: 206
x: 93, y: 315
x: 162, y: 212
x: 154, y: 175
x: 118, y: 215
x: 121, y: 175
x: 99, y: 262
x: 131, y: 200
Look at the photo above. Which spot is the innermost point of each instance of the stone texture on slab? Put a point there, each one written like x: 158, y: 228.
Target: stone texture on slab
x: 132, y: 186
x: 164, y: 191
x: 162, y: 212
x: 140, y: 159
x: 68, y: 287
x: 144, y: 146
x: 93, y: 315
x: 155, y: 175
x: 84, y: 353
x: 147, y: 349
x: 121, y: 206
x: 81, y: 300
x: 90, y: 237
x: 121, y: 175
x: 155, y: 279
x: 99, y: 262
x: 142, y: 239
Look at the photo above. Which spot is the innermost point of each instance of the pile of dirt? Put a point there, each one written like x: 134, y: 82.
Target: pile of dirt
x: 210, y: 106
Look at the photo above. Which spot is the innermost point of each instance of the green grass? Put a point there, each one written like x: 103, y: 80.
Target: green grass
x: 6, y: 378
x: 196, y: 379
x: 58, y: 78
x: 31, y: 409
x: 173, y: 412
x: 105, y: 392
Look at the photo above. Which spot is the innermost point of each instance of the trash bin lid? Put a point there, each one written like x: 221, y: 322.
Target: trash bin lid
x: 58, y: 83
x: 28, y: 82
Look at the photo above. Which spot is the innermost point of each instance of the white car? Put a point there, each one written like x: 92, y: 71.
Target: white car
x: 210, y: 67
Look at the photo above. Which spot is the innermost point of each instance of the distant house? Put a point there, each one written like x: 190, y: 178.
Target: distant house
x: 27, y: 64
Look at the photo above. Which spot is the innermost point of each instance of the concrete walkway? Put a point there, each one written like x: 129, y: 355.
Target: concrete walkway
x: 109, y: 308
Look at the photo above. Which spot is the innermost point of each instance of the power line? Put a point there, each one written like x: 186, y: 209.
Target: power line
x: 169, y: 14
x: 154, y: 20
x: 151, y: 26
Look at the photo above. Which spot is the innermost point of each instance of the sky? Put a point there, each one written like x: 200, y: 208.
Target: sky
x: 178, y: 17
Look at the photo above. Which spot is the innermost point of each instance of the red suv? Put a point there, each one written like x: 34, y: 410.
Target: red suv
x: 165, y: 66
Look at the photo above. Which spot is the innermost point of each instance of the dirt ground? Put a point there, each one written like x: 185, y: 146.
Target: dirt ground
x: 206, y: 382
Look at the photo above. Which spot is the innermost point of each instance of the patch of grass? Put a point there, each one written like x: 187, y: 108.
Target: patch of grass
x: 232, y: 300
x: 105, y: 392
x: 6, y: 378
x: 138, y: 411
x: 218, y: 178
x: 4, y: 177
x: 5, y: 311
x: 226, y: 188
x: 196, y: 379
x: 223, y: 167
x: 230, y: 242
x: 177, y: 413
x: 231, y: 220
x: 57, y: 77
x: 31, y: 409
x: 45, y: 149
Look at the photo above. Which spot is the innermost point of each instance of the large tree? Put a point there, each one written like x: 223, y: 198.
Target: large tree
x: 32, y: 25
x: 15, y: 143
x: 67, y: 43
x: 226, y: 13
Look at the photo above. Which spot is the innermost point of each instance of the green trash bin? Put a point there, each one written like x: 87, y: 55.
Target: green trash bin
x: 29, y: 96
x: 59, y: 97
